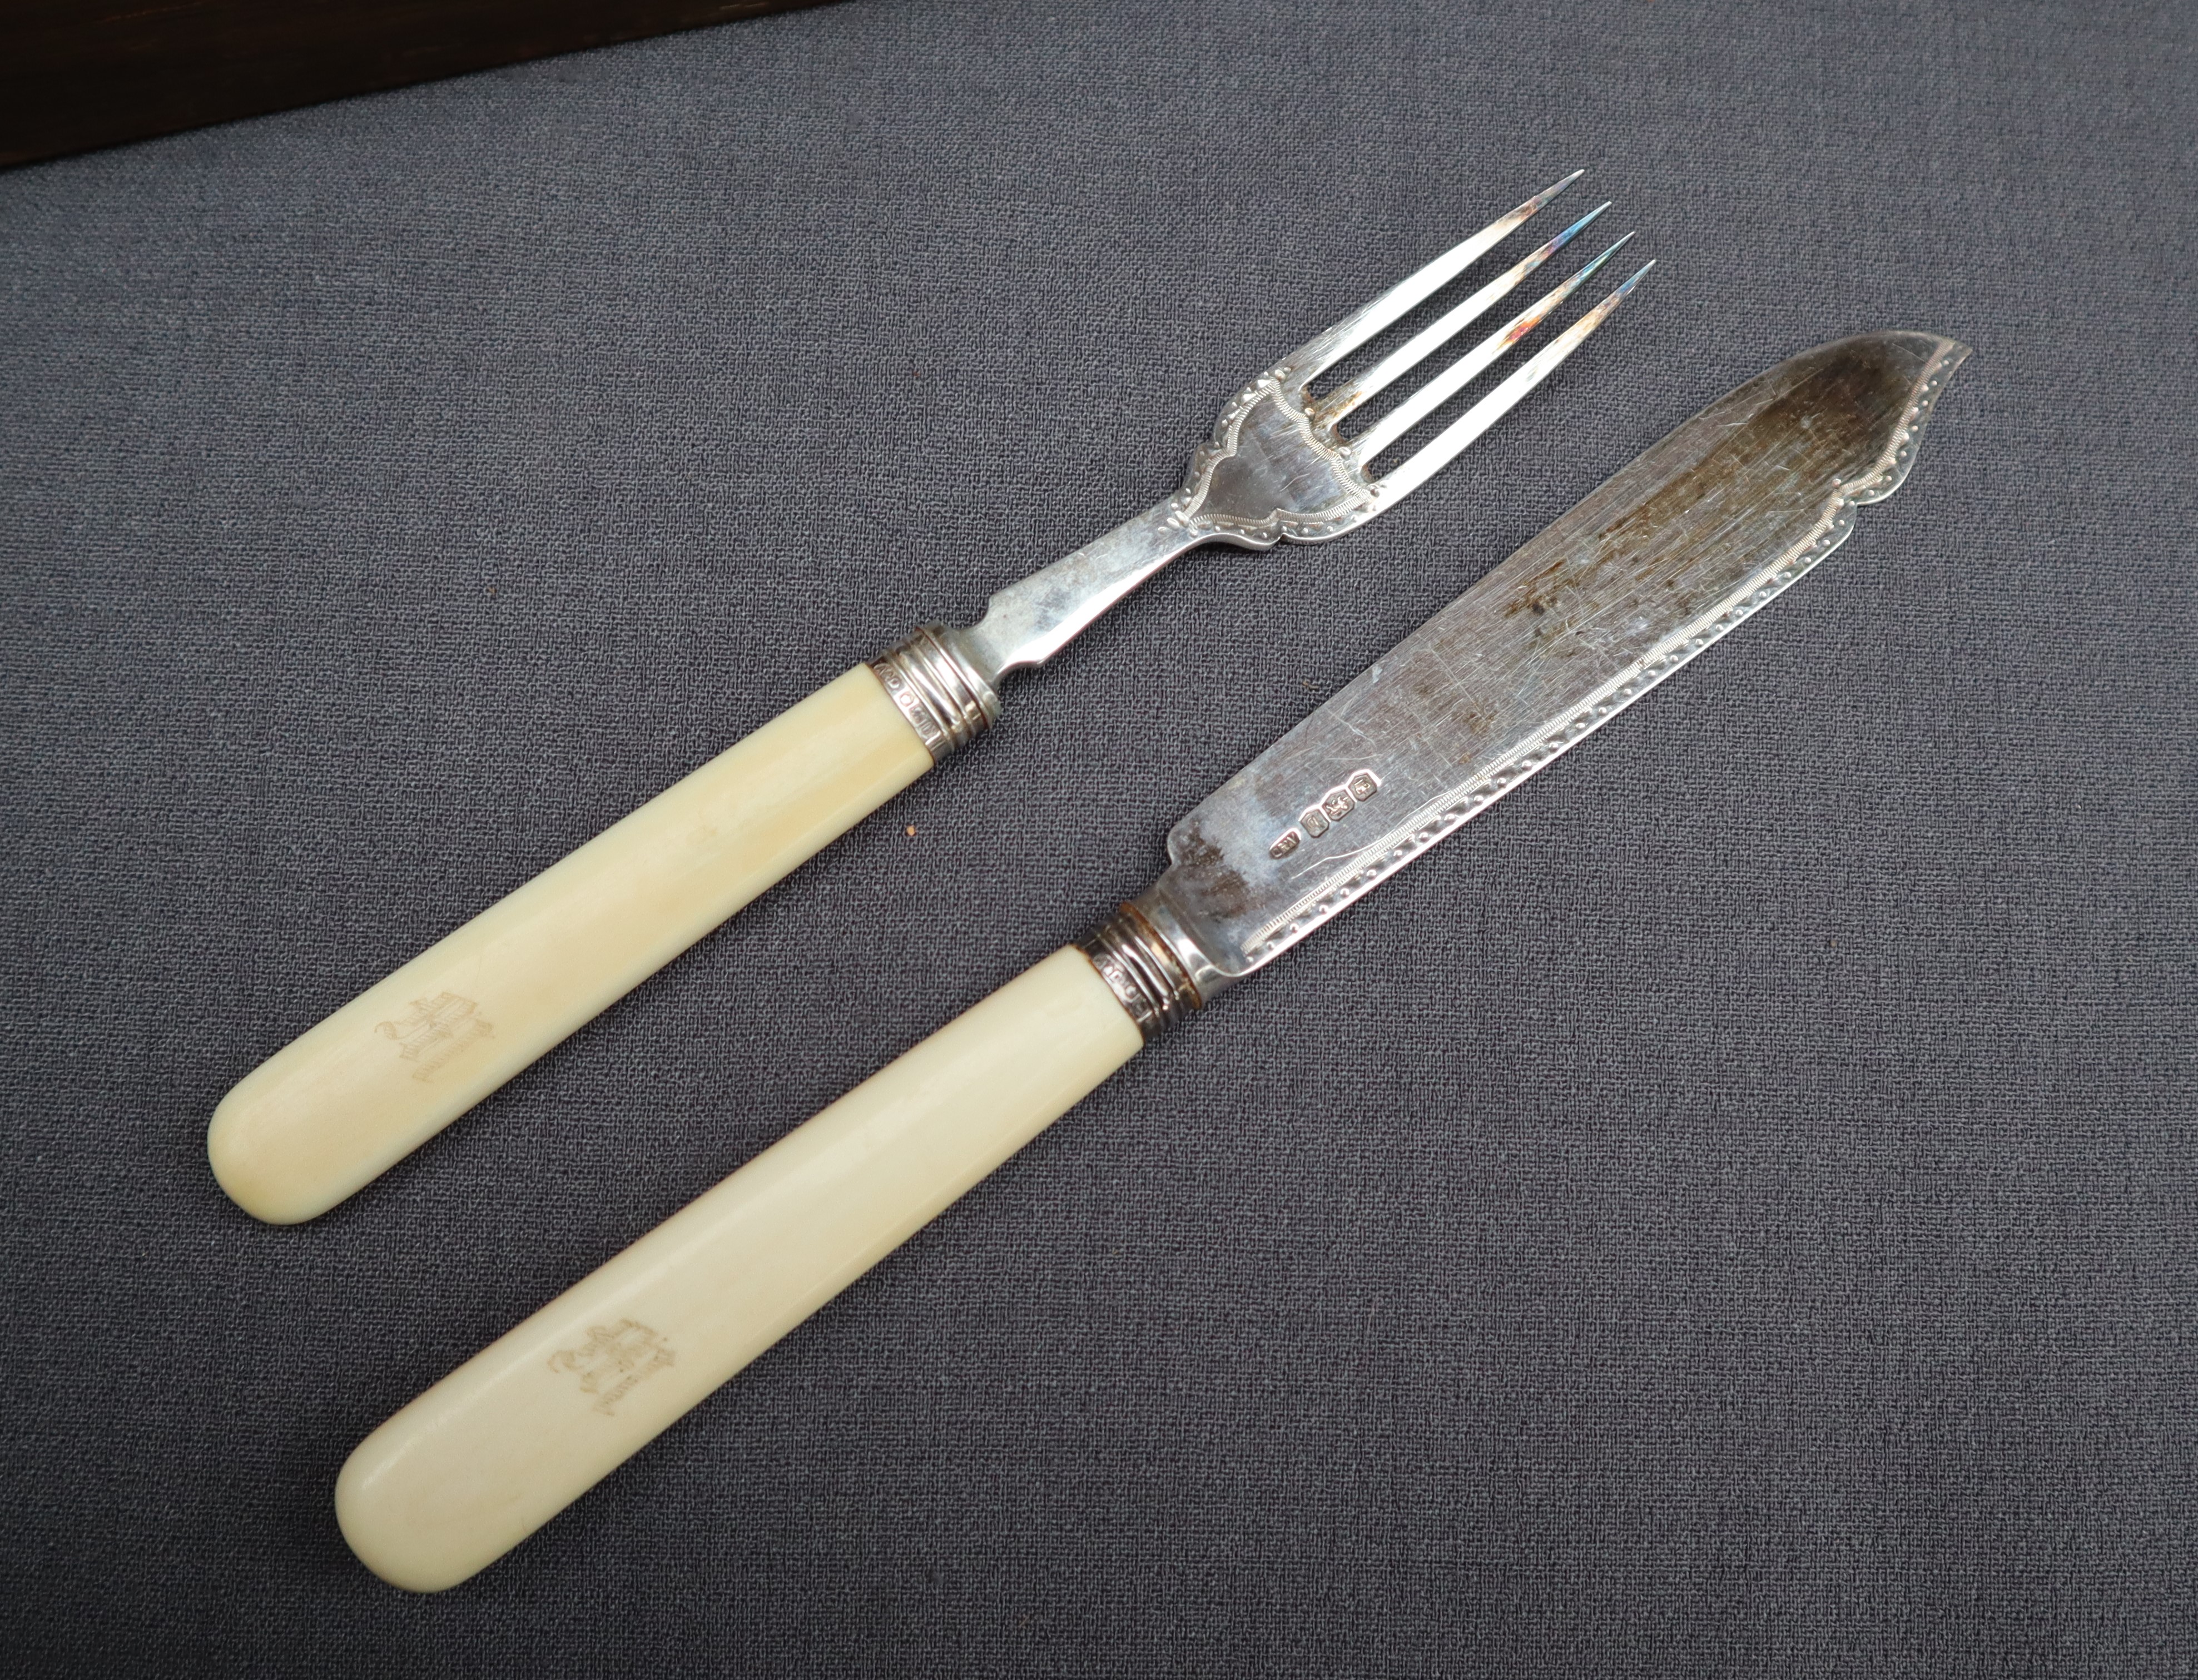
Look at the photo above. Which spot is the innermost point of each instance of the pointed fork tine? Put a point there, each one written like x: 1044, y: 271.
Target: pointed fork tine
x: 1406, y: 357
x: 1469, y: 367
x: 1360, y: 325
x: 1484, y: 414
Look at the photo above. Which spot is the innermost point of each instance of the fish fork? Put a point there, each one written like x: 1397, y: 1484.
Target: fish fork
x: 354, y: 1093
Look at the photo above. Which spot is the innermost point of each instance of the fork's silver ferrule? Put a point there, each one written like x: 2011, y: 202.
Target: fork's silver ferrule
x: 947, y: 700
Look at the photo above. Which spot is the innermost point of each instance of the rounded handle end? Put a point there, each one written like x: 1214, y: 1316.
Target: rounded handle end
x: 388, y: 1537
x: 259, y: 1179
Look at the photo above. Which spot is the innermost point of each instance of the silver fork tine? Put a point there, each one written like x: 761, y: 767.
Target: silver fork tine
x: 1467, y: 368
x: 1484, y: 414
x: 1360, y: 325
x: 1271, y: 471
x: 1402, y: 360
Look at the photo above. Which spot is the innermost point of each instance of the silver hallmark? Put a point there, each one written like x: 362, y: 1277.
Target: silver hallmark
x: 1663, y: 560
x: 1315, y: 820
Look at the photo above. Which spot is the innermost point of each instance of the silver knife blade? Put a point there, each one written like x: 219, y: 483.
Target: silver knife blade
x: 1669, y: 554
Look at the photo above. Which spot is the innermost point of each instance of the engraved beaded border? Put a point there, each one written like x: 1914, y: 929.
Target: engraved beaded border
x: 1833, y: 525
x: 1890, y: 471
x: 1146, y: 977
x: 1187, y: 507
x: 946, y: 702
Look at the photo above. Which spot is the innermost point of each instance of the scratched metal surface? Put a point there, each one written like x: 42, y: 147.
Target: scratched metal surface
x: 1731, y: 1209
x: 1675, y: 550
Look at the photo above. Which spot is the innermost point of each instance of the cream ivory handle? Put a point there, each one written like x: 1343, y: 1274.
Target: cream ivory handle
x: 520, y: 1431
x: 396, y: 1064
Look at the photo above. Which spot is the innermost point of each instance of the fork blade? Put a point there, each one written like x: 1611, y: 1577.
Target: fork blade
x: 1360, y: 325
x: 1468, y: 368
x: 1406, y: 357
x: 1496, y: 404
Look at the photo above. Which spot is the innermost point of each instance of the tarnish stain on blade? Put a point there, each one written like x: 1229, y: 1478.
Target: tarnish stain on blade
x: 1226, y: 890
x: 1660, y: 561
x: 1825, y: 423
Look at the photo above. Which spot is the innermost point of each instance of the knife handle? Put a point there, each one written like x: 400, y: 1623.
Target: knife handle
x: 502, y: 1444
x: 345, y: 1100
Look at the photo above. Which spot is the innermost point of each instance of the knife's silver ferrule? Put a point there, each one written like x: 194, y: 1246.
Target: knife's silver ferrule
x: 1143, y: 970
x: 947, y: 700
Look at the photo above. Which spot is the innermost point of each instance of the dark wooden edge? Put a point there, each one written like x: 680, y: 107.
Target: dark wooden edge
x: 76, y: 74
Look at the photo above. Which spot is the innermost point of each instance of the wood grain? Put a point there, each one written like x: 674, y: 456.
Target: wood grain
x: 76, y: 74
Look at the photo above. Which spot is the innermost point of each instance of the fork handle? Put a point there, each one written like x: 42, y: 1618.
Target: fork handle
x: 502, y: 1444
x: 345, y: 1101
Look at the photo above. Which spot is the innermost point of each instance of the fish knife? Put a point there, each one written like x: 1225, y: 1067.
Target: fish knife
x: 1668, y: 555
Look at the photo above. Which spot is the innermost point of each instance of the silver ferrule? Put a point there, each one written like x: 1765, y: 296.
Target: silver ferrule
x: 945, y: 698
x: 1144, y: 974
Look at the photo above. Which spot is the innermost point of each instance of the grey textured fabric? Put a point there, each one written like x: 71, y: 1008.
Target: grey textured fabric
x: 1730, y: 1212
